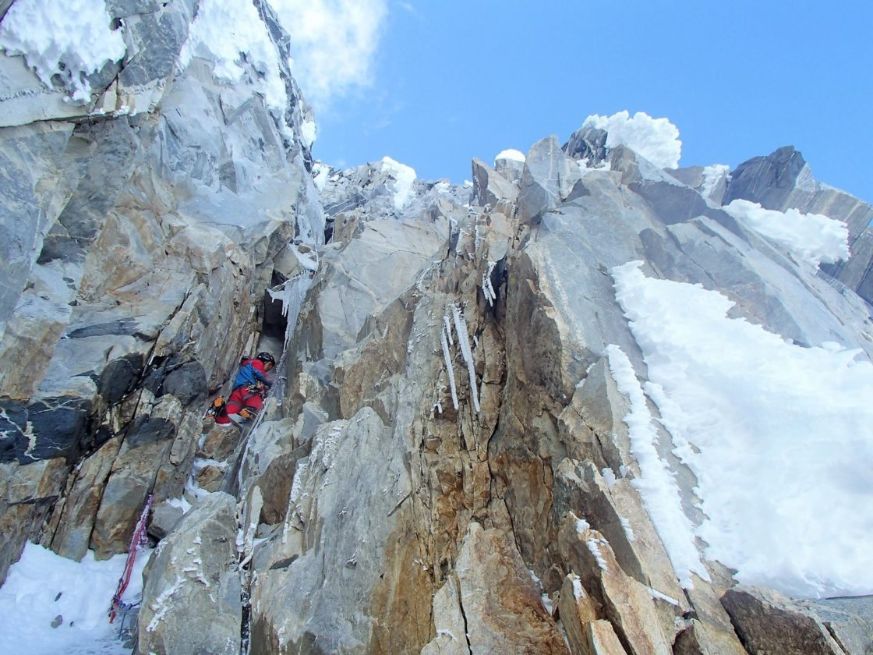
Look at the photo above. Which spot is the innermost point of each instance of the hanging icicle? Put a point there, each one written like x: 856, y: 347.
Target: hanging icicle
x: 464, y: 343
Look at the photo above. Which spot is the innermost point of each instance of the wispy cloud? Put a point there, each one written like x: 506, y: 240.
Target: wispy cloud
x: 333, y: 43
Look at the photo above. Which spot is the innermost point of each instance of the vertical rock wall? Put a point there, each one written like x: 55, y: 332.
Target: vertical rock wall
x: 139, y: 229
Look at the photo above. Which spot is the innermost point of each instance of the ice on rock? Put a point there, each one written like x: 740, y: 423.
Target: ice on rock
x: 464, y: 343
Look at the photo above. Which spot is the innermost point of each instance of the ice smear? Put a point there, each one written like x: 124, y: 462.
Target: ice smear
x: 43, y: 585
x: 656, y: 139
x: 812, y: 238
x: 68, y: 38
x: 782, y: 437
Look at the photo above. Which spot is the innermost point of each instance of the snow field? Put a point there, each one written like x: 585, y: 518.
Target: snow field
x: 42, y: 586
x: 780, y: 437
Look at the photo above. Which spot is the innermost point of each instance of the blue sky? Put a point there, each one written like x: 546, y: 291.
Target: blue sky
x: 448, y: 81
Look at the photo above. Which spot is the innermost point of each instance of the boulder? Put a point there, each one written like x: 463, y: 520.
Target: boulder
x: 549, y: 177
x: 848, y: 620
x: 73, y: 519
x: 191, y: 594
x: 768, y: 622
x: 491, y: 188
x: 27, y: 494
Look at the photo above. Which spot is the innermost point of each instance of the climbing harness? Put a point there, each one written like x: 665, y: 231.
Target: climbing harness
x: 138, y: 540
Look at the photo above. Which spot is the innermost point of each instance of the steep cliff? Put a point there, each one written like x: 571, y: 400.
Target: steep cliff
x: 453, y: 458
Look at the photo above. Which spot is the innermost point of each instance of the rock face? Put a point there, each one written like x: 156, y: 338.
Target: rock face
x: 783, y: 180
x: 139, y: 227
x: 443, y: 465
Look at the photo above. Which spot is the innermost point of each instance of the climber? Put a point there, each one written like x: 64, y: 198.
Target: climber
x: 242, y: 405
x: 255, y: 369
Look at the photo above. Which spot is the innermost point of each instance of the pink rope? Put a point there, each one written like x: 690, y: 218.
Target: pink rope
x: 137, y: 539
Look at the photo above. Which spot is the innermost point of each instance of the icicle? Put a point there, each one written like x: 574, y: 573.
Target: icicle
x: 291, y: 294
x: 450, y: 370
x: 487, y: 287
x: 464, y: 343
x: 448, y: 329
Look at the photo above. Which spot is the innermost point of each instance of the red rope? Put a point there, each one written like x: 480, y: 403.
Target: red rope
x: 137, y: 540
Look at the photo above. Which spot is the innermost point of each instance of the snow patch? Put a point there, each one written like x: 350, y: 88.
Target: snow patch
x: 812, y: 238
x: 656, y: 483
x: 578, y: 589
x: 322, y: 172
x: 404, y: 176
x: 712, y: 175
x: 594, y: 545
x: 511, y: 154
x: 656, y: 139
x: 308, y: 133
x: 233, y: 34
x: 43, y: 585
x: 779, y: 437
x: 657, y: 595
x: 69, y: 38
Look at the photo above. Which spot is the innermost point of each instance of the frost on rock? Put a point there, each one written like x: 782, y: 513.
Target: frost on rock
x: 448, y: 326
x: 68, y: 38
x: 628, y: 530
x: 578, y: 589
x: 464, y: 343
x: 594, y: 545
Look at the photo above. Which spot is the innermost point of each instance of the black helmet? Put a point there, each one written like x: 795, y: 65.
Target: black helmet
x: 266, y: 357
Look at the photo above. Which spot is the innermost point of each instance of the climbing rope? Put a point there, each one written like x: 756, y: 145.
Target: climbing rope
x: 138, y: 540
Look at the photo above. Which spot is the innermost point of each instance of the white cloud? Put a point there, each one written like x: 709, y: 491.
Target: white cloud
x: 333, y: 43
x: 656, y: 139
